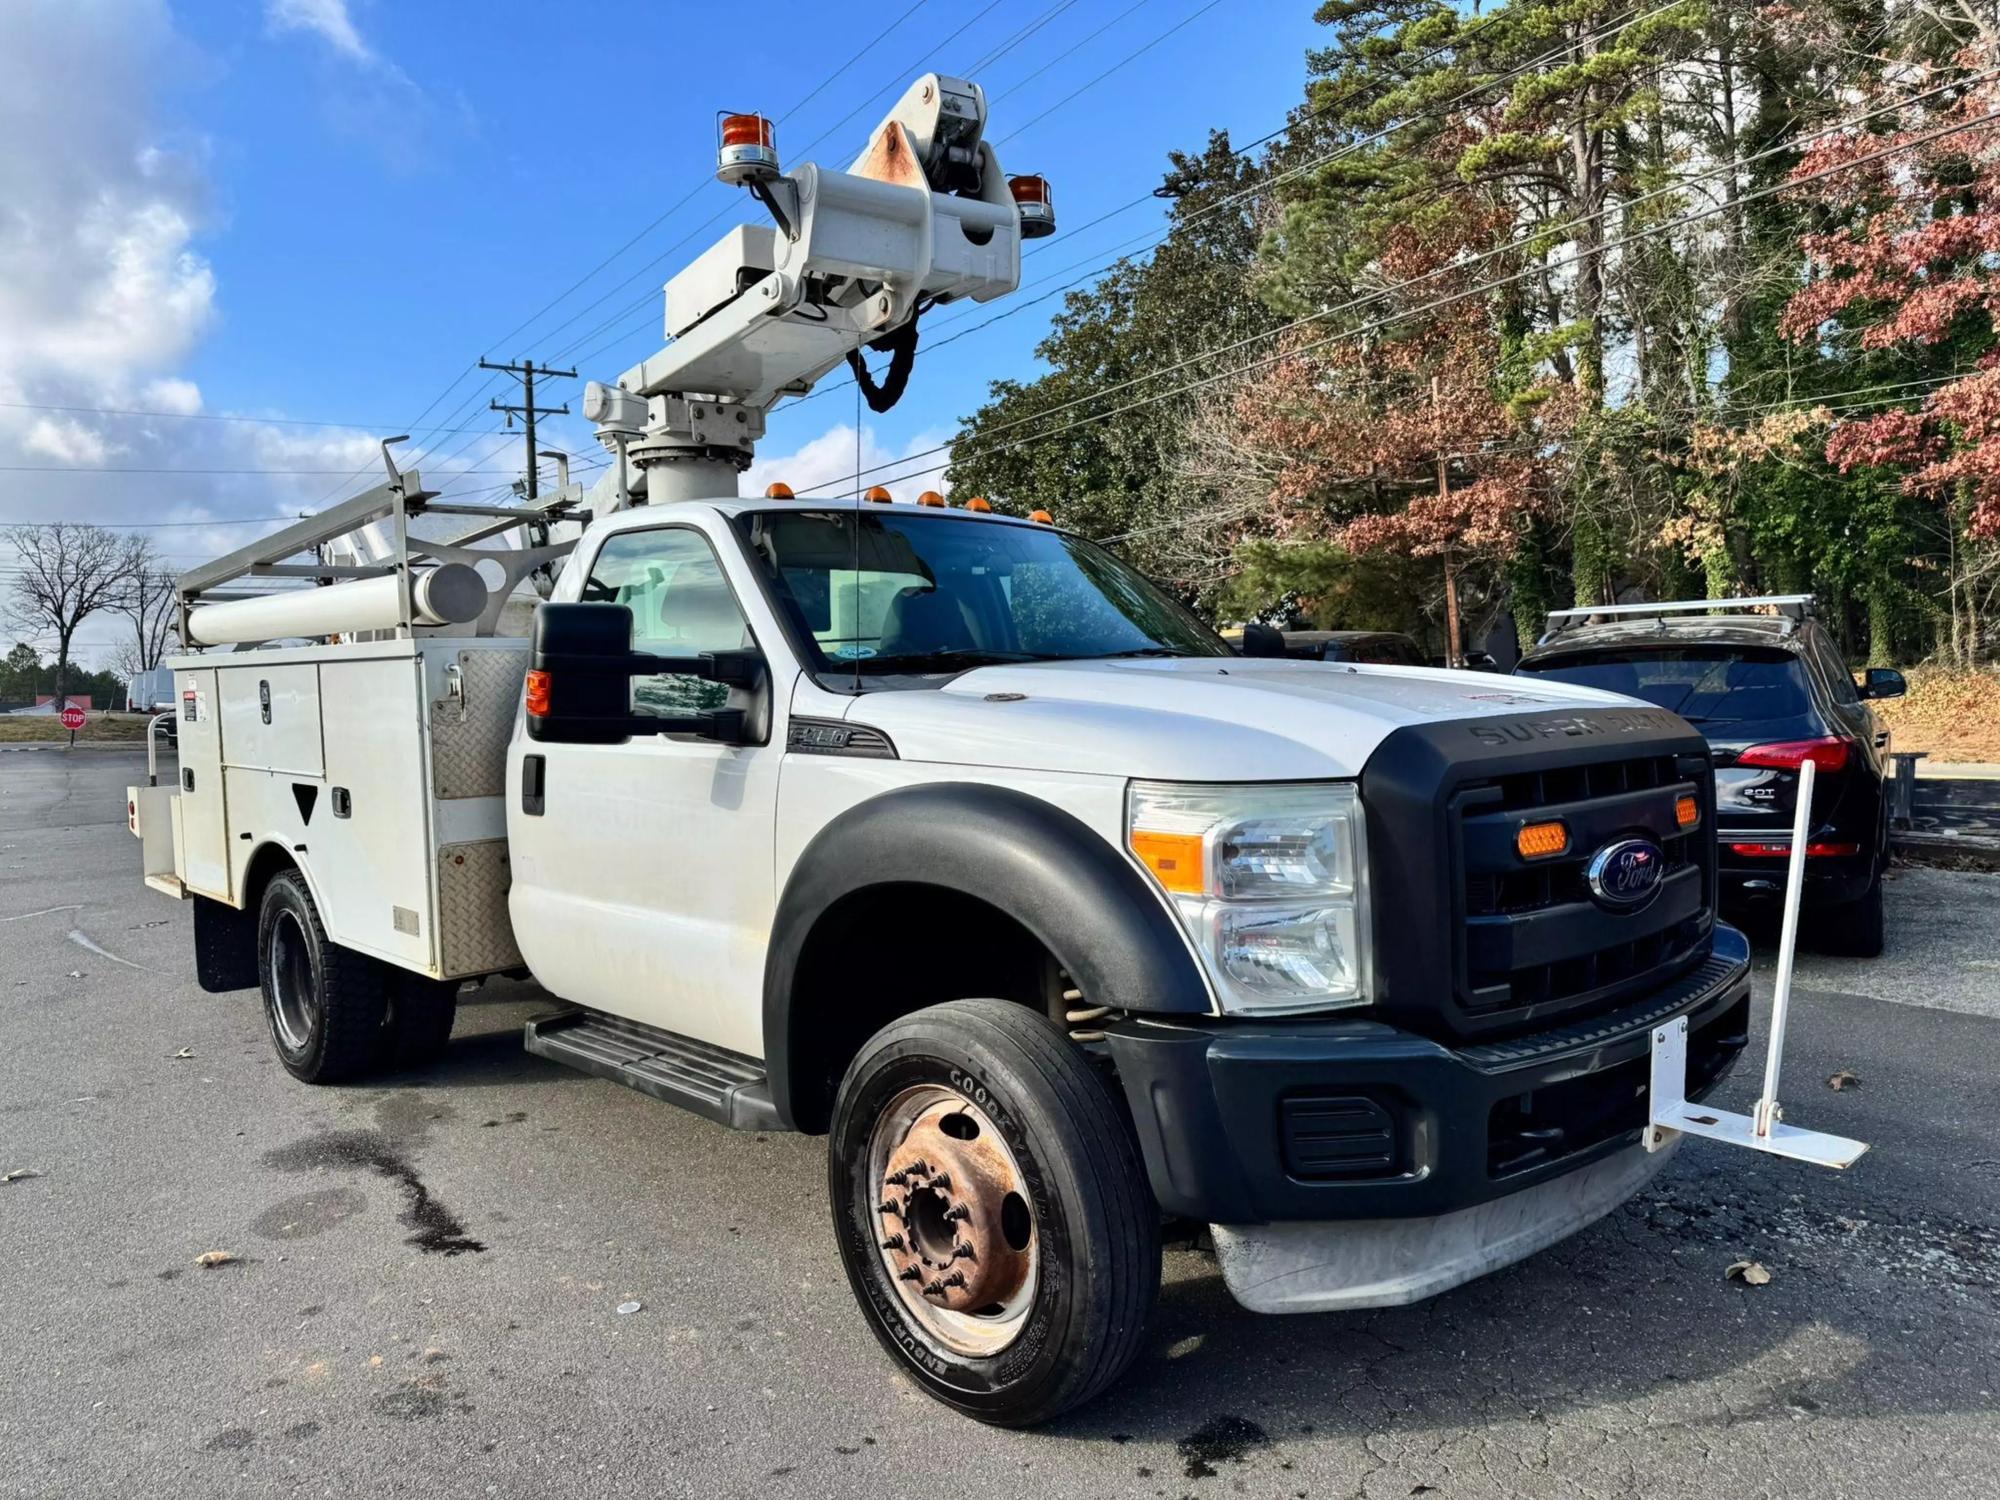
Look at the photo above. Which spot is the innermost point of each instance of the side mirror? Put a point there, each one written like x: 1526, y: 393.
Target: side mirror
x: 1883, y: 682
x: 1262, y: 640
x: 580, y: 671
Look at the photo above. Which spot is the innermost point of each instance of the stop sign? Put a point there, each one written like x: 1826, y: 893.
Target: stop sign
x: 72, y: 717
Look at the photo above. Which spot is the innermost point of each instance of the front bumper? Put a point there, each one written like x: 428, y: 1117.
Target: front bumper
x: 1254, y: 1123
x: 1296, y: 1268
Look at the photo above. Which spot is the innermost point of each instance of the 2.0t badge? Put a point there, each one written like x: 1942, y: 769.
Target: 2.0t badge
x: 1626, y: 875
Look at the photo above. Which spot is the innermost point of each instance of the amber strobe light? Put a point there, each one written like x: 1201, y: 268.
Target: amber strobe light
x: 538, y: 693
x: 746, y: 149
x: 978, y: 502
x: 1687, y: 811
x: 1540, y: 840
x: 1037, y: 205
x: 1174, y: 858
x: 877, y: 495
x: 778, y: 492
x: 930, y: 497
x: 1042, y: 516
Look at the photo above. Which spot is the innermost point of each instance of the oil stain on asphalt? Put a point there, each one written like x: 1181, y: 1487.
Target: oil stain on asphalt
x: 436, y: 1230
x: 1219, y: 1440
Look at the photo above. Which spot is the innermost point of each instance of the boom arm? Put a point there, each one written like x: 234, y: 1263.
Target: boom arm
x: 923, y: 216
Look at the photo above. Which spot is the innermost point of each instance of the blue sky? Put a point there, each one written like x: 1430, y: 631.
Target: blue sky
x: 324, y: 210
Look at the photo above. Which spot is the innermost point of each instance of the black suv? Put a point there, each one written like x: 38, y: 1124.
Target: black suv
x: 1769, y: 692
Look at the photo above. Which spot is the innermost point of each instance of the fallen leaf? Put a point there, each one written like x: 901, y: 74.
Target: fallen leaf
x: 1749, y: 1272
x: 208, y: 1260
x: 185, y: 1052
x: 1844, y: 1080
x: 20, y: 1174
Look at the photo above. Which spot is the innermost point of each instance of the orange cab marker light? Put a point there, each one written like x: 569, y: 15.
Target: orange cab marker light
x: 1174, y: 859
x: 1687, y: 811
x: 1043, y: 516
x: 1540, y: 840
x: 878, y: 495
x: 979, y: 503
x: 539, y: 685
x: 778, y: 492
x: 930, y: 497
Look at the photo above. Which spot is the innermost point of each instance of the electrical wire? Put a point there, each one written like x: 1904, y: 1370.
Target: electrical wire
x: 1478, y: 289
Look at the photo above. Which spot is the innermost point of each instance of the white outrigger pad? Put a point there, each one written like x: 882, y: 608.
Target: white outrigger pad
x: 1670, y: 1116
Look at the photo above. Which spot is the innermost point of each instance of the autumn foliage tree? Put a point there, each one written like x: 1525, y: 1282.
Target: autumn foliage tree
x: 1910, y: 260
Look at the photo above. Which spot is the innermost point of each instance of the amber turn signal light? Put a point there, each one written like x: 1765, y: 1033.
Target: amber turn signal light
x: 1687, y: 811
x: 539, y: 686
x: 1174, y: 859
x: 1540, y: 840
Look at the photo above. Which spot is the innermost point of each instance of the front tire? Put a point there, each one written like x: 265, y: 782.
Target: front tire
x: 992, y: 1211
x: 325, y: 1004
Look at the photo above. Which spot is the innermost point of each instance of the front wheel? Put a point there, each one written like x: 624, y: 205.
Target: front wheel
x: 992, y: 1210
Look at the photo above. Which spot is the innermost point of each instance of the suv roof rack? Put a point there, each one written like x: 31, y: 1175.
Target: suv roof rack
x: 1795, y: 609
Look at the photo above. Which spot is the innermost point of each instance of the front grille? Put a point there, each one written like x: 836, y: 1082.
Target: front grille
x: 1533, y: 941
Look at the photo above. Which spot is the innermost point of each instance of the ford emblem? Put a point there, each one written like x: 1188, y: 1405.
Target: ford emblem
x: 1626, y: 874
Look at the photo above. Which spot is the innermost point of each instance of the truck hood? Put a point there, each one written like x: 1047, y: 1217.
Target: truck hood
x: 1196, y: 718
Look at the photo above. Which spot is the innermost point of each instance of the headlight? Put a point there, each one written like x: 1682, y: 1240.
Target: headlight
x: 1269, y: 882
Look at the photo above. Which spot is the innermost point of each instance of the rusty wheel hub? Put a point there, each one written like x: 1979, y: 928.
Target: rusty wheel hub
x: 957, y: 1231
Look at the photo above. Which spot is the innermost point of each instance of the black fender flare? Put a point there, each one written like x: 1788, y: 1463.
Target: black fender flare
x: 1078, y: 896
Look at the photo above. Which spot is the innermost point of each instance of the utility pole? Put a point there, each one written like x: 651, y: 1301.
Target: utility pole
x: 527, y: 411
x: 1454, y: 651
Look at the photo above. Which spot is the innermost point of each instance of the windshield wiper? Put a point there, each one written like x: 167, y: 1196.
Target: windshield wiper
x: 1141, y: 651
x: 956, y: 659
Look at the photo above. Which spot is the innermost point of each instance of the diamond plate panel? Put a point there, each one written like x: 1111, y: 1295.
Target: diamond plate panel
x: 469, y: 734
x: 475, y: 935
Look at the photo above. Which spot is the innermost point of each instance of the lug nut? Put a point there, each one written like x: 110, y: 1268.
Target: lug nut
x: 956, y: 1278
x: 894, y: 1242
x: 963, y: 1251
x: 957, y: 1212
x: 941, y: 1183
x: 920, y: 1168
x: 891, y: 1207
x: 898, y: 1179
x: 909, y: 1273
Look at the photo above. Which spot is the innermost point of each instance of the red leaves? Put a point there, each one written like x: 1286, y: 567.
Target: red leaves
x: 1914, y: 260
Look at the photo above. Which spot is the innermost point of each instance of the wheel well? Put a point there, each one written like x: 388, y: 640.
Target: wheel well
x: 886, y: 950
x: 265, y: 864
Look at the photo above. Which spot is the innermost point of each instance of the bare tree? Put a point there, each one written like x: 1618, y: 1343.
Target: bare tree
x: 68, y: 572
x: 147, y: 600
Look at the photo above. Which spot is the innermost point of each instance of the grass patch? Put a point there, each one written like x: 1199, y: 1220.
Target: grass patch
x: 21, y: 729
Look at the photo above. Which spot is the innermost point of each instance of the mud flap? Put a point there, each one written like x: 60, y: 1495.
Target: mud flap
x: 225, y: 947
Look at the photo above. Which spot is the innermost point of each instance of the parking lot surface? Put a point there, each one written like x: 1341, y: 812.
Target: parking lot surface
x: 429, y: 1269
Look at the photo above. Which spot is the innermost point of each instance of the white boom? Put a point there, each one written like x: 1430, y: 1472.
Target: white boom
x: 852, y: 259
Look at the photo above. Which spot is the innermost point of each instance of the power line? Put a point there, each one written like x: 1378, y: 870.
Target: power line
x: 208, y: 416
x: 1610, y: 29
x: 1478, y: 289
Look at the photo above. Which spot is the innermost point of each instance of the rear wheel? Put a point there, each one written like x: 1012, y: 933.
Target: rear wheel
x: 993, y: 1215
x: 325, y: 1004
x: 1854, y: 929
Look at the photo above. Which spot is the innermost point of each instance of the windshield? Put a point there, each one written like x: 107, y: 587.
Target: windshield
x: 938, y: 594
x: 1703, y: 684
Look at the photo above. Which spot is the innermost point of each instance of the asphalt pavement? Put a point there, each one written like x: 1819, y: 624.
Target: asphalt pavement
x: 429, y: 1269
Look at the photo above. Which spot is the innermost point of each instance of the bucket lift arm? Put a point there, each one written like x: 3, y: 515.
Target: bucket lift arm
x: 922, y: 216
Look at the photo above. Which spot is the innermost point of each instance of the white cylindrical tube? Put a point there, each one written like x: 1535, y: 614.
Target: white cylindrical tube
x: 449, y: 594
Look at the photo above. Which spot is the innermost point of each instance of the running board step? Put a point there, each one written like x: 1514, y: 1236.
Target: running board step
x: 724, y: 1086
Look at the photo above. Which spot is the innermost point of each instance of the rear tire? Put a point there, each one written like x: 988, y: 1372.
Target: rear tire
x: 325, y: 1004
x: 1854, y: 929
x: 421, y: 1012
x: 1021, y: 1102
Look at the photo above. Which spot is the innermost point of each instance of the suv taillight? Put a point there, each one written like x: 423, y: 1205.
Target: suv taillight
x: 1829, y: 754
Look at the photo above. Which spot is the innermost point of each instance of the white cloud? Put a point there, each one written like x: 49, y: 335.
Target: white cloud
x: 67, y: 441
x: 825, y: 465
x: 326, y: 19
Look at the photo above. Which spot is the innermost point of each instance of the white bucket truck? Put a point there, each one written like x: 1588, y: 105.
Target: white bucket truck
x: 948, y: 836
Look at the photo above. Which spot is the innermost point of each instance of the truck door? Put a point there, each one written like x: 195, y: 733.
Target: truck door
x: 645, y: 886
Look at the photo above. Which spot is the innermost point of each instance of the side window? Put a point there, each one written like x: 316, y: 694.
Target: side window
x: 681, y: 606
x: 1834, y: 669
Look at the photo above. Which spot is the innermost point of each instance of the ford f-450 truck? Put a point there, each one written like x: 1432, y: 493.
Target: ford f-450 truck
x: 948, y: 836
